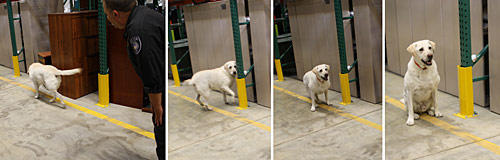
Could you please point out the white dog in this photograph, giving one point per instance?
(421, 81)
(219, 79)
(317, 82)
(49, 77)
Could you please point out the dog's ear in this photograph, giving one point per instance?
(315, 71)
(411, 48)
(327, 67)
(432, 44)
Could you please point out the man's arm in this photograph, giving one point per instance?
(155, 99)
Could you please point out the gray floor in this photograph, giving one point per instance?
(198, 134)
(427, 141)
(304, 135)
(35, 129)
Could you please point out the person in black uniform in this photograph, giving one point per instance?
(145, 36)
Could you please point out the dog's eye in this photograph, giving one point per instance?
(320, 70)
(430, 48)
(421, 49)
(326, 69)
(230, 67)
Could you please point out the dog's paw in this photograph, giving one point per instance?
(416, 116)
(36, 97)
(410, 122)
(329, 103)
(430, 113)
(208, 108)
(438, 114)
(313, 108)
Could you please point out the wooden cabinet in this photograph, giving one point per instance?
(125, 86)
(74, 44)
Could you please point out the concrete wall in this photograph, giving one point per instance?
(412, 20)
(35, 28)
(314, 38)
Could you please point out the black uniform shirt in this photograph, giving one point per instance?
(145, 36)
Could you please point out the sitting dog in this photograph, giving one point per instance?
(49, 77)
(219, 79)
(421, 81)
(317, 82)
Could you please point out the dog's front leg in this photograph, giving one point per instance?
(313, 101)
(409, 108)
(224, 96)
(326, 98)
(434, 110)
(230, 92)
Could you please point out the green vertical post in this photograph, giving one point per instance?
(465, 42)
(77, 5)
(179, 20)
(171, 48)
(236, 37)
(103, 58)
(103, 76)
(340, 36)
(240, 81)
(276, 47)
(11, 27)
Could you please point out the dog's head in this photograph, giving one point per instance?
(230, 67)
(321, 71)
(422, 51)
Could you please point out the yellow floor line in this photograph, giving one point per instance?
(331, 109)
(91, 112)
(226, 113)
(450, 128)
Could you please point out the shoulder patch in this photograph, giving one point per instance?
(135, 44)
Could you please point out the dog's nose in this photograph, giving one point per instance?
(326, 75)
(429, 56)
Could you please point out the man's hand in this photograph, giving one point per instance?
(155, 99)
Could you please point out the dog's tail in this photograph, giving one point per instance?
(69, 72)
(188, 82)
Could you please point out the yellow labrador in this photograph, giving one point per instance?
(49, 77)
(421, 81)
(317, 82)
(219, 79)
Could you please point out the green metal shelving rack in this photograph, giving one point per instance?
(15, 52)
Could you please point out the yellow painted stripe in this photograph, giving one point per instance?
(451, 128)
(91, 112)
(331, 109)
(226, 113)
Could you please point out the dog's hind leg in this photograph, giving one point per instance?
(54, 96)
(198, 99)
(205, 94)
(37, 88)
(61, 99)
(433, 111)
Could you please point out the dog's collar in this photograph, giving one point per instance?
(320, 79)
(419, 65)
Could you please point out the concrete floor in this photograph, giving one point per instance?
(35, 129)
(198, 134)
(304, 135)
(426, 140)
